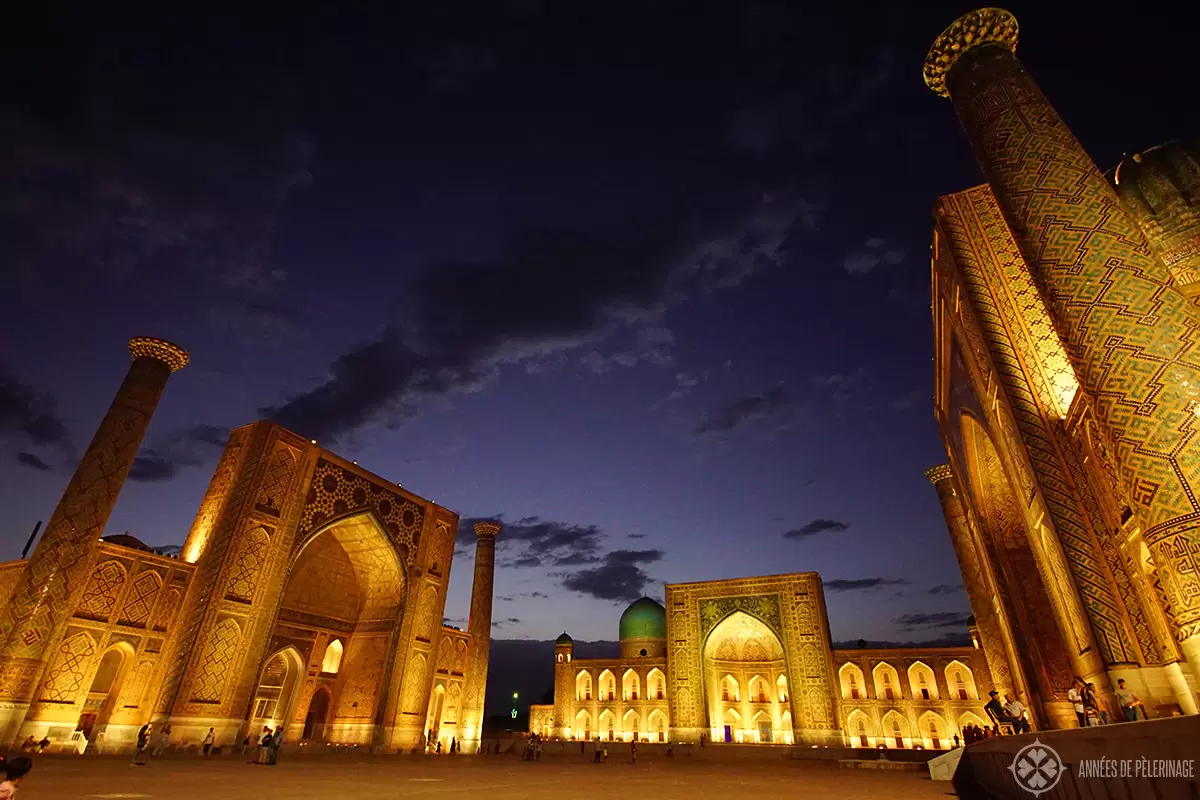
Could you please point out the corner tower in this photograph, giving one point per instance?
(479, 628)
(564, 685)
(1128, 330)
(55, 573)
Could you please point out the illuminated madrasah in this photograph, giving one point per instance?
(1067, 391)
(309, 594)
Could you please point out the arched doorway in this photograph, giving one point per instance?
(739, 651)
(344, 593)
(318, 712)
(433, 722)
(105, 690)
(277, 689)
(1023, 596)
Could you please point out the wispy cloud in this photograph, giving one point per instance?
(619, 578)
(190, 447)
(33, 462)
(938, 619)
(862, 584)
(947, 588)
(871, 254)
(816, 528)
(771, 405)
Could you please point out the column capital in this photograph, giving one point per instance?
(487, 528)
(971, 30)
(939, 473)
(174, 356)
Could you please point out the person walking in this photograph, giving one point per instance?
(159, 741)
(143, 739)
(596, 750)
(209, 738)
(633, 751)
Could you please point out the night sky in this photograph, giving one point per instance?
(648, 281)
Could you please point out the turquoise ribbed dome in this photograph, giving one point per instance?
(564, 639)
(644, 619)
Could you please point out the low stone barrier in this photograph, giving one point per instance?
(1132, 760)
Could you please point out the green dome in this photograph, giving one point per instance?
(644, 619)
(564, 639)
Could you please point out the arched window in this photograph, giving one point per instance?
(923, 685)
(897, 735)
(853, 687)
(333, 657)
(560, 657)
(934, 736)
(960, 685)
(887, 688)
(658, 688)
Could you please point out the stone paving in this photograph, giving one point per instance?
(502, 778)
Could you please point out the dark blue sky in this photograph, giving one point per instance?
(654, 273)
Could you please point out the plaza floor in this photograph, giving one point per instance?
(501, 778)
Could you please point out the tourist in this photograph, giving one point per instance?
(264, 745)
(143, 739)
(209, 738)
(245, 743)
(276, 743)
(596, 750)
(1128, 700)
(1016, 712)
(604, 754)
(994, 709)
(1091, 709)
(633, 751)
(14, 771)
(158, 742)
(453, 745)
(29, 744)
(438, 749)
(956, 741)
(1075, 695)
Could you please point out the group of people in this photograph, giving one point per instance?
(1012, 712)
(13, 772)
(533, 748)
(156, 741)
(268, 745)
(975, 733)
(1090, 713)
(432, 746)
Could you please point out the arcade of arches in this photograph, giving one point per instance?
(758, 654)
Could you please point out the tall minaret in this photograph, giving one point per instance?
(479, 628)
(985, 601)
(1128, 330)
(57, 569)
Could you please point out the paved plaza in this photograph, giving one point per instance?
(503, 778)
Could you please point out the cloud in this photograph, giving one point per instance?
(817, 527)
(538, 595)
(840, 386)
(861, 584)
(949, 639)
(938, 619)
(506, 598)
(911, 399)
(561, 291)
(619, 578)
(870, 255)
(31, 416)
(535, 542)
(771, 404)
(500, 623)
(33, 462)
(947, 588)
(635, 536)
(190, 447)
(101, 190)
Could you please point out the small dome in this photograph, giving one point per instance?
(644, 619)
(564, 639)
(1160, 188)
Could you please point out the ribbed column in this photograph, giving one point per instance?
(479, 627)
(1127, 329)
(42, 601)
(982, 597)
